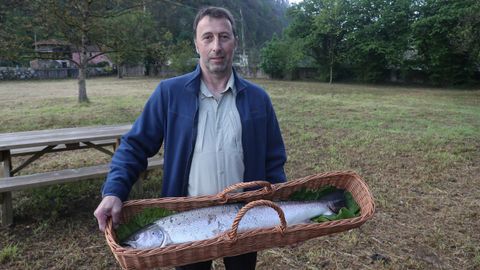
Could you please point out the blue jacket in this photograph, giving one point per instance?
(171, 116)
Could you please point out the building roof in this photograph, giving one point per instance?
(51, 42)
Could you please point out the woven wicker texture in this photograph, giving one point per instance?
(232, 243)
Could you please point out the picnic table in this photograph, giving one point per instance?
(36, 144)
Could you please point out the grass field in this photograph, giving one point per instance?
(417, 149)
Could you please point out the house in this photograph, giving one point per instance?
(52, 54)
(91, 51)
(55, 53)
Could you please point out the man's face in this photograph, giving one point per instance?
(216, 44)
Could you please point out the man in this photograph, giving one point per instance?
(217, 129)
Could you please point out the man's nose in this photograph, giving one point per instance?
(217, 45)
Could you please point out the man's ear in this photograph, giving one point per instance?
(195, 43)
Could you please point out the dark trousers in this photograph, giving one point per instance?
(241, 262)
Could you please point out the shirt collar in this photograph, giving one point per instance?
(204, 92)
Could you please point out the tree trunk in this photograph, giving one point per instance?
(332, 61)
(82, 85)
(120, 72)
(331, 73)
(82, 68)
(331, 53)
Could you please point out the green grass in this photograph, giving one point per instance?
(8, 253)
(417, 149)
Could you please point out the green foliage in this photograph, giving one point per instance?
(183, 57)
(328, 33)
(259, 21)
(134, 31)
(311, 195)
(157, 53)
(378, 38)
(447, 37)
(365, 40)
(140, 220)
(281, 58)
(17, 31)
(368, 40)
(351, 210)
(8, 253)
(320, 24)
(273, 56)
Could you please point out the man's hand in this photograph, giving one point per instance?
(110, 206)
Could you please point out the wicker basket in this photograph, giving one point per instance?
(233, 243)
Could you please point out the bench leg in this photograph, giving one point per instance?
(6, 208)
(6, 164)
(6, 212)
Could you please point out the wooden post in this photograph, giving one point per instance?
(6, 197)
(117, 144)
(7, 213)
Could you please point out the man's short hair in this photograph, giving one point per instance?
(217, 13)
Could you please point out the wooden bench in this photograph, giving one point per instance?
(16, 183)
(68, 147)
(37, 143)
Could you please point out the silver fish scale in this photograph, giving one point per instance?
(199, 224)
(295, 213)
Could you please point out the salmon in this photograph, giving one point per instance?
(209, 222)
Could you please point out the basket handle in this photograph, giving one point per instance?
(232, 234)
(267, 188)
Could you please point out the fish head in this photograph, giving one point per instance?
(336, 200)
(150, 236)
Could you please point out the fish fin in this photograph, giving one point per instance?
(166, 239)
(129, 244)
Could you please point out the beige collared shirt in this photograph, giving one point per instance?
(218, 156)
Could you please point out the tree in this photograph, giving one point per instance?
(129, 38)
(280, 58)
(273, 58)
(183, 57)
(330, 30)
(368, 40)
(157, 53)
(378, 37)
(466, 35)
(321, 25)
(83, 24)
(446, 37)
(18, 25)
